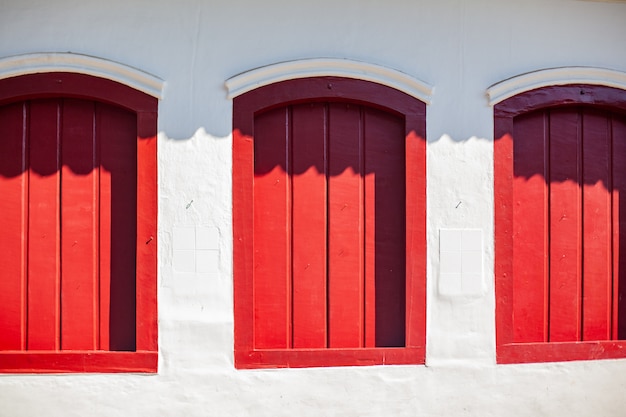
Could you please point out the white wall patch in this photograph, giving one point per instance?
(461, 262)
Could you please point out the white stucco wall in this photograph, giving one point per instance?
(460, 48)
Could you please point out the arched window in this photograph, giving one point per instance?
(78, 241)
(560, 213)
(329, 224)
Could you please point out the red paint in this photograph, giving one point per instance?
(565, 220)
(346, 320)
(385, 198)
(43, 227)
(309, 237)
(618, 127)
(118, 195)
(531, 221)
(146, 320)
(597, 226)
(327, 271)
(272, 245)
(307, 358)
(13, 285)
(415, 226)
(79, 233)
(88, 190)
(558, 161)
(78, 361)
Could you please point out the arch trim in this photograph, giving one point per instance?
(17, 65)
(555, 76)
(319, 67)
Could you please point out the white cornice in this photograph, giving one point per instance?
(319, 67)
(83, 64)
(555, 76)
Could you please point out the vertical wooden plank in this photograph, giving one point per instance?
(105, 133)
(565, 225)
(618, 133)
(272, 231)
(530, 228)
(43, 240)
(116, 136)
(370, 196)
(385, 207)
(79, 235)
(13, 222)
(345, 219)
(309, 225)
(597, 268)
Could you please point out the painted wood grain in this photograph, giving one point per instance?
(597, 225)
(272, 227)
(385, 213)
(79, 227)
(531, 228)
(309, 224)
(44, 245)
(346, 228)
(13, 239)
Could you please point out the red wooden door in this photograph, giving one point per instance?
(329, 227)
(68, 201)
(569, 206)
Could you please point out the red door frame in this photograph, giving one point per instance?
(602, 97)
(145, 358)
(330, 89)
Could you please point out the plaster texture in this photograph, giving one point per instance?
(460, 48)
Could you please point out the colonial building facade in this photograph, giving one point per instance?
(329, 208)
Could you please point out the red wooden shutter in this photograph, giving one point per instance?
(568, 190)
(329, 224)
(68, 186)
(329, 228)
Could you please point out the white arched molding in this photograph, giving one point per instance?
(83, 64)
(320, 67)
(555, 76)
